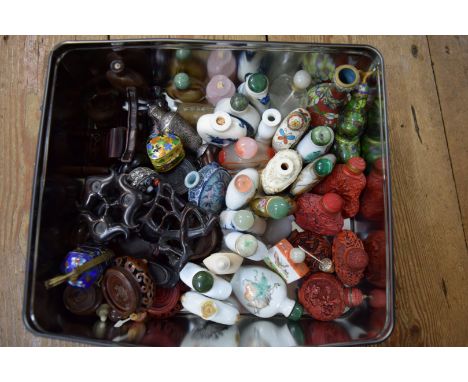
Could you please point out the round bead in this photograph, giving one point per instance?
(246, 147)
(257, 82)
(246, 245)
(243, 220)
(243, 183)
(183, 54)
(297, 255)
(302, 79)
(323, 167)
(202, 281)
(332, 202)
(326, 265)
(321, 135)
(182, 81)
(278, 208)
(239, 102)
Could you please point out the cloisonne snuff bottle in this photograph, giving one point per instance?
(165, 151)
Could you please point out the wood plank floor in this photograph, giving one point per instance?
(427, 89)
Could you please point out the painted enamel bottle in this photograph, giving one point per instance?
(205, 282)
(327, 99)
(281, 171)
(255, 88)
(218, 88)
(345, 149)
(242, 188)
(349, 257)
(353, 117)
(271, 119)
(238, 106)
(222, 62)
(315, 143)
(186, 89)
(210, 309)
(220, 128)
(348, 181)
(186, 61)
(281, 258)
(208, 186)
(165, 152)
(242, 221)
(249, 63)
(223, 263)
(292, 128)
(320, 214)
(312, 174)
(263, 293)
(246, 245)
(288, 93)
(245, 153)
(372, 199)
(274, 207)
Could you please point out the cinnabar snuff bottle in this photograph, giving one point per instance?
(349, 257)
(375, 248)
(320, 214)
(372, 200)
(315, 244)
(348, 181)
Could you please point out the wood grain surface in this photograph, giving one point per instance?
(427, 91)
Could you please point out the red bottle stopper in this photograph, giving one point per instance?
(372, 199)
(348, 181)
(166, 302)
(315, 244)
(319, 215)
(378, 298)
(349, 257)
(353, 297)
(322, 296)
(376, 249)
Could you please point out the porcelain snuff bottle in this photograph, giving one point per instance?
(312, 174)
(292, 128)
(271, 119)
(204, 282)
(255, 88)
(220, 129)
(274, 207)
(281, 171)
(210, 309)
(283, 260)
(242, 188)
(249, 63)
(242, 221)
(223, 263)
(315, 143)
(246, 245)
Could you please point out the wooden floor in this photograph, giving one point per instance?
(427, 85)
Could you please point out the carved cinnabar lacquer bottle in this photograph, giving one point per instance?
(372, 200)
(375, 248)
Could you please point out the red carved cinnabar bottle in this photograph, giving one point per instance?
(375, 248)
(372, 200)
(348, 181)
(349, 257)
(320, 214)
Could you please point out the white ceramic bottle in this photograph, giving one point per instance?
(210, 309)
(220, 129)
(271, 119)
(249, 63)
(281, 171)
(293, 127)
(238, 105)
(223, 263)
(203, 281)
(243, 221)
(246, 245)
(315, 143)
(263, 293)
(255, 88)
(242, 188)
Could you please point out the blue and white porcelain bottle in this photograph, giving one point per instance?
(208, 187)
(249, 62)
(220, 129)
(255, 88)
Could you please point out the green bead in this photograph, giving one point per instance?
(202, 281)
(278, 208)
(323, 167)
(257, 82)
(243, 220)
(296, 312)
(246, 245)
(182, 81)
(183, 54)
(239, 102)
(321, 135)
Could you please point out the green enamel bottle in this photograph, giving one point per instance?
(352, 120)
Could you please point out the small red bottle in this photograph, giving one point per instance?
(348, 181)
(376, 250)
(349, 257)
(320, 214)
(372, 200)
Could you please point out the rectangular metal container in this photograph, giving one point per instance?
(53, 208)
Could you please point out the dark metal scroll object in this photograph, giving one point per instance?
(132, 126)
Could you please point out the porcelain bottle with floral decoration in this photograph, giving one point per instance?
(293, 127)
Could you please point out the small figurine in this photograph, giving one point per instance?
(285, 260)
(238, 106)
(255, 88)
(290, 92)
(245, 153)
(315, 143)
(326, 99)
(372, 199)
(165, 152)
(210, 309)
(243, 221)
(242, 188)
(320, 214)
(204, 282)
(316, 245)
(292, 128)
(218, 88)
(222, 62)
(375, 246)
(220, 128)
(263, 293)
(223, 263)
(281, 171)
(143, 179)
(249, 63)
(349, 257)
(246, 245)
(207, 187)
(345, 149)
(271, 119)
(275, 207)
(183, 88)
(313, 173)
(353, 117)
(348, 181)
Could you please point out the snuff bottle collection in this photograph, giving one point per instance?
(242, 197)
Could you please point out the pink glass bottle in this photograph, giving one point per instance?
(245, 153)
(222, 62)
(320, 214)
(218, 88)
